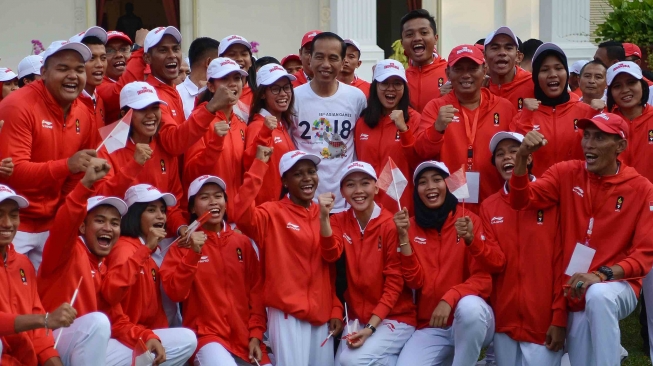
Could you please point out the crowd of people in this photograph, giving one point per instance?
(239, 219)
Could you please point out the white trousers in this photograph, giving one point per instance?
(31, 244)
(514, 353)
(593, 335)
(214, 354)
(647, 286)
(458, 345)
(381, 349)
(297, 343)
(170, 307)
(84, 343)
(179, 343)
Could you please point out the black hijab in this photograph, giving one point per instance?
(428, 218)
(539, 93)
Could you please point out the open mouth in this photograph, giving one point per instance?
(502, 63)
(119, 65)
(325, 73)
(149, 124)
(359, 199)
(508, 167)
(104, 241)
(419, 49)
(591, 158)
(553, 85)
(159, 225)
(390, 97)
(283, 102)
(6, 234)
(466, 84)
(627, 98)
(70, 87)
(433, 197)
(307, 189)
(98, 74)
(215, 212)
(171, 66)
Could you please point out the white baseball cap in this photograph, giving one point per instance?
(359, 166)
(289, 159)
(227, 41)
(351, 42)
(500, 136)
(154, 36)
(577, 66)
(138, 95)
(116, 202)
(270, 73)
(221, 67)
(386, 68)
(501, 30)
(430, 164)
(624, 66)
(199, 182)
(58, 46)
(7, 193)
(30, 65)
(147, 193)
(6, 74)
(94, 31)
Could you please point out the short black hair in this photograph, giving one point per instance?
(519, 43)
(30, 77)
(200, 48)
(593, 62)
(92, 40)
(615, 50)
(130, 225)
(418, 14)
(529, 47)
(191, 206)
(481, 41)
(373, 113)
(330, 35)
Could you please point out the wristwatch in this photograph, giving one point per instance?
(607, 271)
(135, 47)
(370, 326)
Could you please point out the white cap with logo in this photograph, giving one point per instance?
(503, 135)
(199, 182)
(228, 41)
(6, 74)
(138, 95)
(431, 164)
(116, 202)
(94, 31)
(7, 193)
(359, 167)
(155, 35)
(30, 65)
(58, 46)
(270, 73)
(147, 193)
(387, 68)
(628, 67)
(351, 42)
(289, 159)
(221, 67)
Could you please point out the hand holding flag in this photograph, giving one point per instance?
(115, 135)
(392, 181)
(457, 184)
(72, 303)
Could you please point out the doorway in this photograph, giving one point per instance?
(152, 14)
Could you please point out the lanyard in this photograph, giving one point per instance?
(471, 133)
(590, 226)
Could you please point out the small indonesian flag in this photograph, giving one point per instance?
(196, 225)
(392, 181)
(141, 356)
(650, 205)
(457, 184)
(115, 135)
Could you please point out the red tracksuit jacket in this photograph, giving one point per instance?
(219, 290)
(528, 274)
(363, 85)
(639, 153)
(558, 125)
(40, 142)
(109, 90)
(376, 145)
(96, 114)
(424, 82)
(623, 200)
(66, 258)
(442, 267)
(520, 88)
(374, 282)
(258, 134)
(288, 236)
(161, 171)
(20, 297)
(133, 281)
(495, 114)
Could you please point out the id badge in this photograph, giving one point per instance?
(581, 260)
(473, 181)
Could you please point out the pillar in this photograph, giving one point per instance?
(567, 24)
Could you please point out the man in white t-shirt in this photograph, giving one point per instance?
(326, 114)
(200, 54)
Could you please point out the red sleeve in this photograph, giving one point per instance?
(488, 252)
(639, 257)
(176, 139)
(257, 134)
(257, 323)
(16, 142)
(251, 220)
(43, 344)
(178, 272)
(7, 323)
(123, 267)
(541, 194)
(59, 246)
(110, 92)
(200, 158)
(428, 141)
(332, 247)
(337, 310)
(393, 283)
(412, 271)
(559, 307)
(121, 176)
(126, 332)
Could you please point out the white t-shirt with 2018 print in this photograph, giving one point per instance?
(325, 127)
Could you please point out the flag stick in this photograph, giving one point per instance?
(347, 317)
(255, 360)
(99, 147)
(397, 193)
(72, 303)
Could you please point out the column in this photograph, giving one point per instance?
(187, 26)
(567, 24)
(357, 20)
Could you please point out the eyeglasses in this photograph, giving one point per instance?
(124, 50)
(276, 89)
(396, 85)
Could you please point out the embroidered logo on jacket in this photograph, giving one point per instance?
(520, 103)
(347, 238)
(440, 82)
(578, 191)
(153, 274)
(277, 140)
(204, 259)
(496, 119)
(575, 124)
(380, 244)
(536, 127)
(292, 226)
(540, 217)
(46, 124)
(242, 134)
(23, 277)
(496, 220)
(364, 137)
(239, 254)
(163, 166)
(650, 136)
(620, 203)
(77, 129)
(397, 136)
(419, 240)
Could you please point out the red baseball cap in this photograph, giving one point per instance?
(308, 37)
(466, 51)
(608, 123)
(111, 35)
(632, 50)
(290, 58)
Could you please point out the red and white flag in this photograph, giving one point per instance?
(115, 135)
(141, 356)
(457, 184)
(392, 181)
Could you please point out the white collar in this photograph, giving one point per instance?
(190, 87)
(86, 94)
(375, 213)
